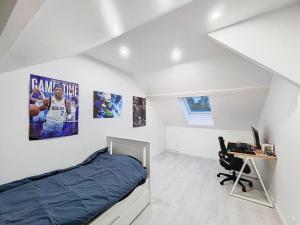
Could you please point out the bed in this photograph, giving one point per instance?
(110, 187)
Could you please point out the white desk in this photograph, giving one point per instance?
(250, 158)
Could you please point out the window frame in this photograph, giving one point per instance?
(205, 119)
(189, 109)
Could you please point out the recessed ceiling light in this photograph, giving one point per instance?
(215, 15)
(124, 51)
(176, 54)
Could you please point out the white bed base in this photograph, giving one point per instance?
(125, 211)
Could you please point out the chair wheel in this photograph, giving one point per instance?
(251, 184)
(218, 175)
(221, 183)
(244, 189)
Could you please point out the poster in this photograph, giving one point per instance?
(139, 111)
(107, 105)
(53, 108)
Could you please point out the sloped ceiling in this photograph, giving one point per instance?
(236, 87)
(272, 41)
(186, 28)
(236, 111)
(151, 29)
(205, 66)
(15, 15)
(6, 9)
(64, 28)
(224, 70)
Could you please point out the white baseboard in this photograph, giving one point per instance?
(171, 150)
(188, 154)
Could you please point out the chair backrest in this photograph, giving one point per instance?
(226, 159)
(222, 146)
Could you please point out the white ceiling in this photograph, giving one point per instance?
(225, 70)
(185, 28)
(205, 65)
(64, 28)
(275, 45)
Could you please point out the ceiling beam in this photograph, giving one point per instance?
(6, 8)
(15, 16)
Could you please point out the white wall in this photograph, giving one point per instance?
(272, 40)
(200, 141)
(20, 157)
(280, 125)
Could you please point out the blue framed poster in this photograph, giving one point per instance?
(139, 111)
(53, 108)
(107, 105)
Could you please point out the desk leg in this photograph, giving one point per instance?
(263, 185)
(239, 176)
(269, 203)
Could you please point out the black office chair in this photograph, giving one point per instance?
(229, 162)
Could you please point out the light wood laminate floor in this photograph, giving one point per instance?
(186, 191)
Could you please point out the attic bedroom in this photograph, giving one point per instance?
(161, 112)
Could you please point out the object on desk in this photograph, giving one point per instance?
(268, 149)
(229, 162)
(256, 138)
(240, 147)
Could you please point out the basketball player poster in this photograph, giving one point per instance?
(107, 105)
(139, 111)
(53, 108)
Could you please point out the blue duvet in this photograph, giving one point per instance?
(71, 196)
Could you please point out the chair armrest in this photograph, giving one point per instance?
(224, 160)
(222, 157)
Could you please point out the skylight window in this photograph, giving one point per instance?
(198, 104)
(198, 110)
